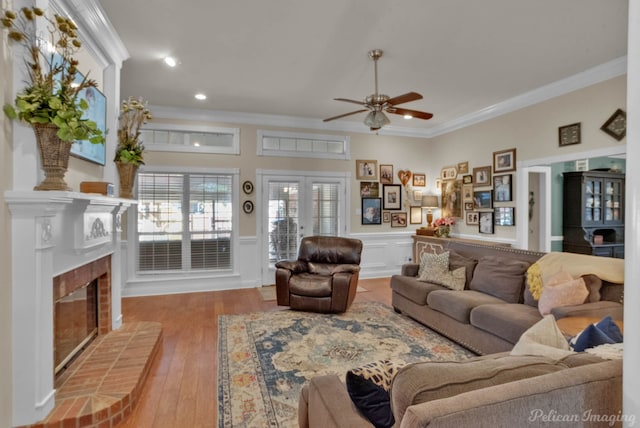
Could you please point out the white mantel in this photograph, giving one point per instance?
(53, 232)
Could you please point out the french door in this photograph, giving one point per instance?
(294, 206)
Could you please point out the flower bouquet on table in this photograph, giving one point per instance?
(443, 226)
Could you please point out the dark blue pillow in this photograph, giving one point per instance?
(369, 386)
(605, 331)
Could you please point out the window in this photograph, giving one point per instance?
(294, 144)
(192, 138)
(184, 222)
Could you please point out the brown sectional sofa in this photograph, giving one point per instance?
(496, 307)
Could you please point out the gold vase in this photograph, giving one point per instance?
(127, 173)
(54, 157)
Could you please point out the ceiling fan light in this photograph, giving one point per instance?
(170, 61)
(408, 116)
(376, 120)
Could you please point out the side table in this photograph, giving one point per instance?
(570, 326)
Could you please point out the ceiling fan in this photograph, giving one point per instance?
(377, 104)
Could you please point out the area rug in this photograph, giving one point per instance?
(265, 358)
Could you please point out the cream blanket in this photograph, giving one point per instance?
(606, 268)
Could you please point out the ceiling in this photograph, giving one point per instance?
(290, 58)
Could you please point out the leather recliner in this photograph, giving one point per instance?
(324, 278)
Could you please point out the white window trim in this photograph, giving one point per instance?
(344, 139)
(170, 276)
(168, 127)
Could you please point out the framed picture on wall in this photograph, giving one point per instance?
(386, 216)
(371, 210)
(502, 188)
(398, 219)
(386, 174)
(504, 216)
(482, 199)
(485, 219)
(392, 196)
(366, 170)
(369, 189)
(482, 176)
(415, 215)
(504, 160)
(472, 217)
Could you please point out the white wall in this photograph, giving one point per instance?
(631, 370)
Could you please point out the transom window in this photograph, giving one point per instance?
(295, 144)
(184, 222)
(191, 138)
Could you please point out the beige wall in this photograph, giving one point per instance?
(533, 131)
(6, 170)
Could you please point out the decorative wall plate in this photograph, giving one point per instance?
(247, 207)
(247, 187)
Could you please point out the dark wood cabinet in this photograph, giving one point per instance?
(593, 213)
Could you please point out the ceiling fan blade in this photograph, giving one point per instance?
(347, 100)
(404, 98)
(413, 113)
(344, 115)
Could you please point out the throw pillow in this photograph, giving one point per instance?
(369, 386)
(606, 331)
(434, 261)
(458, 260)
(500, 277)
(544, 338)
(573, 292)
(454, 280)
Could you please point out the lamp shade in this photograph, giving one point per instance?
(430, 201)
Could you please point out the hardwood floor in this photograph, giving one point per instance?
(181, 390)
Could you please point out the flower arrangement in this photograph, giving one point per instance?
(443, 225)
(133, 114)
(51, 95)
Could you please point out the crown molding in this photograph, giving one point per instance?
(96, 31)
(600, 73)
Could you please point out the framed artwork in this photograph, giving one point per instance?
(247, 187)
(452, 198)
(419, 180)
(616, 125)
(468, 206)
(482, 199)
(463, 167)
(386, 174)
(569, 134)
(438, 184)
(247, 207)
(97, 112)
(485, 220)
(472, 218)
(366, 170)
(482, 176)
(371, 210)
(415, 215)
(448, 173)
(386, 216)
(504, 216)
(369, 189)
(417, 195)
(392, 196)
(467, 179)
(504, 160)
(398, 219)
(467, 193)
(502, 188)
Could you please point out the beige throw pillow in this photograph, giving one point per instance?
(453, 279)
(433, 262)
(544, 338)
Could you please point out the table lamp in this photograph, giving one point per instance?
(429, 202)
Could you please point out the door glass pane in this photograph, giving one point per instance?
(283, 221)
(325, 209)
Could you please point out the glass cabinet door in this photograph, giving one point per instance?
(612, 200)
(593, 201)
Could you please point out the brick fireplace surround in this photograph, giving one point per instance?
(60, 241)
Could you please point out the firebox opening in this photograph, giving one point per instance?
(75, 323)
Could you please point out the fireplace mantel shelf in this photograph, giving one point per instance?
(26, 197)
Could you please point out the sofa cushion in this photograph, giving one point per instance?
(572, 292)
(507, 321)
(454, 280)
(457, 261)
(500, 277)
(458, 304)
(428, 381)
(433, 261)
(412, 289)
(544, 338)
(369, 386)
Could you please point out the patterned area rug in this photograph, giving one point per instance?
(265, 358)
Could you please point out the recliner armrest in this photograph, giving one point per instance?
(295, 266)
(332, 269)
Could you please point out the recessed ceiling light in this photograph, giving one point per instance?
(196, 144)
(201, 97)
(170, 61)
(408, 116)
